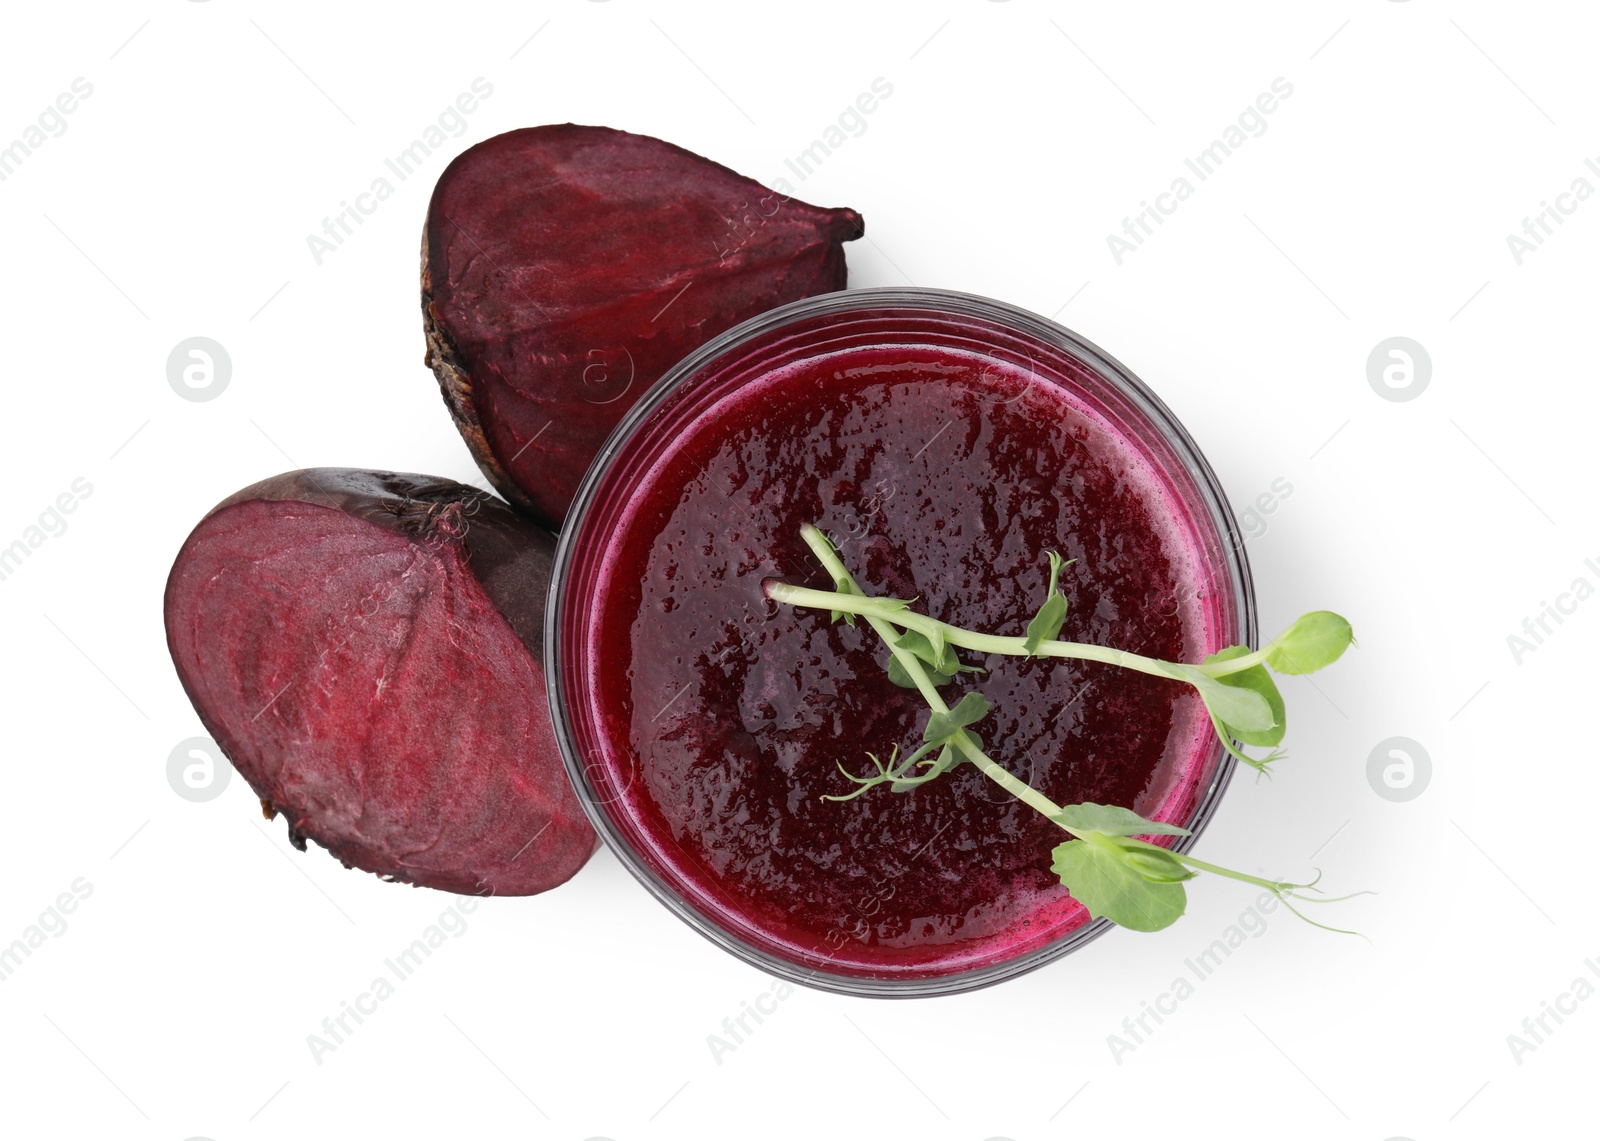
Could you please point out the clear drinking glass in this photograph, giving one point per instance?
(864, 317)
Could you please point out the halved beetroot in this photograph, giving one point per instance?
(365, 648)
(566, 268)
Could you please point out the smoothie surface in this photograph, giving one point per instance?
(944, 476)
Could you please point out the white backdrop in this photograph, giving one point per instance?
(207, 141)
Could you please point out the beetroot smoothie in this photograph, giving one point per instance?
(713, 721)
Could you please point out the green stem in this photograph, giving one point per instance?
(829, 558)
(1244, 877)
(1239, 664)
(1020, 789)
(875, 610)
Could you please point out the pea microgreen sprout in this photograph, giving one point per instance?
(1235, 683)
(1105, 865)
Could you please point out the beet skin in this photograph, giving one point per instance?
(366, 649)
(565, 269)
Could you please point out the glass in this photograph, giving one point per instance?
(850, 319)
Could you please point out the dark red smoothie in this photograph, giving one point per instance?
(943, 472)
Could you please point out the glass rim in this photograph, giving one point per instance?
(957, 303)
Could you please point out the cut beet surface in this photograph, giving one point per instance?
(565, 269)
(365, 647)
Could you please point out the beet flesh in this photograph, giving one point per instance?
(565, 269)
(366, 649)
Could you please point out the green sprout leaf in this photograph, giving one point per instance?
(935, 651)
(1314, 640)
(1046, 625)
(1254, 680)
(1112, 821)
(1157, 865)
(972, 708)
(898, 675)
(1239, 707)
(1100, 878)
